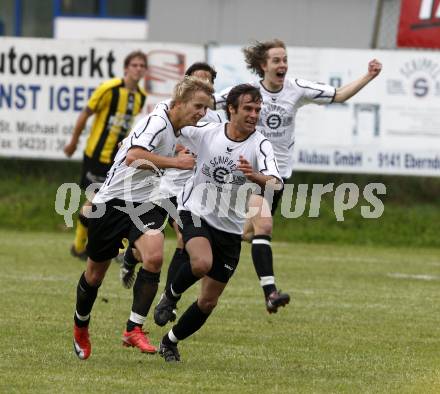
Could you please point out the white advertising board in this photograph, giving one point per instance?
(392, 126)
(45, 83)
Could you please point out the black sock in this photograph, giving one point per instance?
(183, 280)
(190, 322)
(144, 291)
(129, 259)
(167, 341)
(85, 298)
(263, 262)
(180, 257)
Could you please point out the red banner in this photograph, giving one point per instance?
(419, 25)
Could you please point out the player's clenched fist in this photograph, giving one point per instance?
(185, 160)
(374, 67)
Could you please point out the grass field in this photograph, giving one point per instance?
(411, 216)
(363, 319)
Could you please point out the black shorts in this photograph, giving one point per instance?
(226, 247)
(93, 172)
(173, 201)
(106, 232)
(277, 194)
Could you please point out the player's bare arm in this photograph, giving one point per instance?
(184, 160)
(80, 125)
(257, 177)
(345, 92)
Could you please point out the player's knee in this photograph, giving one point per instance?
(200, 265)
(263, 226)
(207, 305)
(94, 277)
(153, 262)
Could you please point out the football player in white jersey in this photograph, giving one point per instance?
(172, 182)
(282, 97)
(232, 159)
(128, 205)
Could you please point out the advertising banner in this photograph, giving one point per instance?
(45, 83)
(419, 25)
(392, 126)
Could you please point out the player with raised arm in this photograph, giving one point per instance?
(232, 159)
(130, 205)
(282, 97)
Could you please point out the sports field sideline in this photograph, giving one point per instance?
(363, 319)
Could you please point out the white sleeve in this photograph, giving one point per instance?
(217, 116)
(148, 133)
(266, 162)
(162, 105)
(315, 92)
(220, 99)
(192, 137)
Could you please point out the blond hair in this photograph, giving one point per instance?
(188, 86)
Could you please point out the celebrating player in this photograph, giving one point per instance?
(282, 97)
(212, 208)
(132, 184)
(171, 184)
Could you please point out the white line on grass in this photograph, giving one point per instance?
(398, 275)
(37, 278)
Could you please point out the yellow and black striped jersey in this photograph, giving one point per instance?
(115, 108)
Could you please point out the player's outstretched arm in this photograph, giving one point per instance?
(345, 92)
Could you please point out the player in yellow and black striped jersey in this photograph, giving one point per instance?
(115, 103)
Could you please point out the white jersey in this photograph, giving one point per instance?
(277, 116)
(218, 192)
(154, 133)
(174, 179)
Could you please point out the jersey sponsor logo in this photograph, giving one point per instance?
(273, 121)
(272, 117)
(223, 170)
(228, 267)
(271, 135)
(219, 174)
(120, 120)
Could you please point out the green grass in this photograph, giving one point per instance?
(363, 319)
(28, 189)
